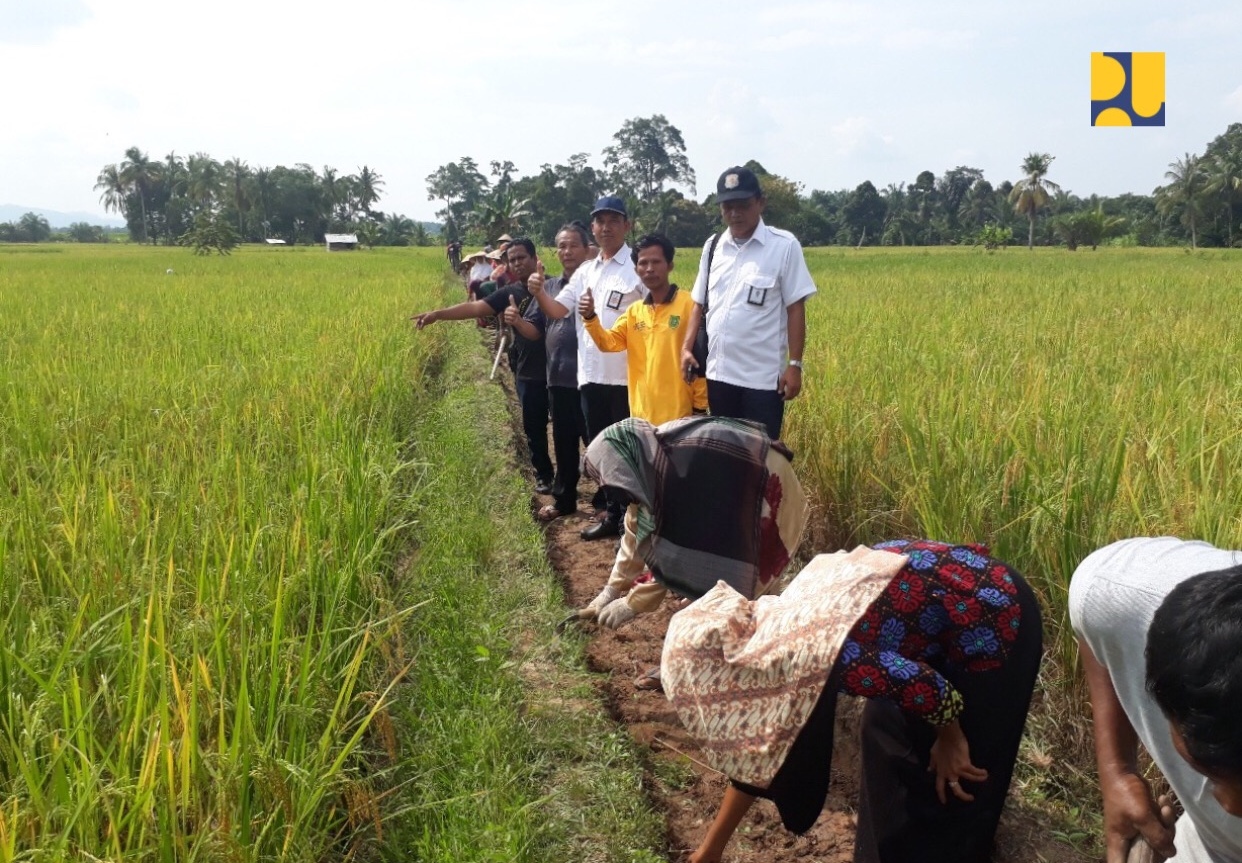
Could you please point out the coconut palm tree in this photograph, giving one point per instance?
(1185, 192)
(236, 174)
(1225, 179)
(367, 188)
(206, 181)
(139, 173)
(1032, 193)
(111, 188)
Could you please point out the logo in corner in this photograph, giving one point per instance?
(1127, 88)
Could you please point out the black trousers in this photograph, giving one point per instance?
(900, 818)
(533, 397)
(744, 403)
(568, 428)
(603, 405)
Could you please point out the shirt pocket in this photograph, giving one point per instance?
(759, 291)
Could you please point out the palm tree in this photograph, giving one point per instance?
(1225, 179)
(139, 173)
(206, 182)
(237, 173)
(111, 189)
(1032, 192)
(501, 213)
(1185, 192)
(367, 188)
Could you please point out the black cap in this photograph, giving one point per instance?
(610, 204)
(737, 183)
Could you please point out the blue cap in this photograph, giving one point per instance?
(610, 204)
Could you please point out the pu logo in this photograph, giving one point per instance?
(1127, 88)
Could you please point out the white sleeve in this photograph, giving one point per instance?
(568, 296)
(796, 281)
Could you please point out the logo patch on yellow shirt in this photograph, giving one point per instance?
(640, 325)
(673, 321)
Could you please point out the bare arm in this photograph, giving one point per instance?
(1129, 809)
(553, 310)
(733, 808)
(791, 379)
(688, 362)
(461, 312)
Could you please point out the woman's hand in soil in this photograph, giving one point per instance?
(950, 761)
(1130, 811)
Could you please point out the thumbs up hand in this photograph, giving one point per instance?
(586, 305)
(512, 315)
(535, 283)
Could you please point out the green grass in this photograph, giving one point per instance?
(247, 614)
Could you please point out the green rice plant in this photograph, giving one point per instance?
(1045, 404)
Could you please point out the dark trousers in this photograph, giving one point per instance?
(568, 428)
(533, 397)
(899, 816)
(744, 403)
(603, 405)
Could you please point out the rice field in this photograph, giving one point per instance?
(255, 606)
(252, 603)
(1043, 403)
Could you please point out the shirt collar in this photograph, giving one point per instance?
(650, 301)
(622, 255)
(760, 235)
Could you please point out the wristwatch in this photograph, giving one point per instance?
(797, 364)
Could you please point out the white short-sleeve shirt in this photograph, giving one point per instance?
(752, 285)
(615, 285)
(1113, 597)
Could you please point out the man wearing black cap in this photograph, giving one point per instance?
(614, 284)
(755, 294)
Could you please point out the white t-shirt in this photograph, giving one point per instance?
(481, 272)
(1112, 598)
(752, 285)
(614, 284)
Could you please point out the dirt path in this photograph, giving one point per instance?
(686, 789)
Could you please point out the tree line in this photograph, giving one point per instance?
(33, 228)
(647, 164)
(175, 199)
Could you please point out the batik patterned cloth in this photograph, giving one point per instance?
(744, 675)
(951, 605)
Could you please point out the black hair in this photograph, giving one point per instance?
(578, 229)
(1194, 667)
(525, 243)
(650, 240)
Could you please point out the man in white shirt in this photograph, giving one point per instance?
(614, 285)
(1159, 625)
(755, 296)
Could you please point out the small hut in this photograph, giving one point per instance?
(340, 242)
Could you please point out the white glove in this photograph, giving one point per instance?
(607, 595)
(616, 614)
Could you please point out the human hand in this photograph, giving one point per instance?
(1131, 813)
(512, 315)
(616, 614)
(424, 319)
(689, 365)
(586, 305)
(534, 284)
(607, 595)
(950, 761)
(790, 383)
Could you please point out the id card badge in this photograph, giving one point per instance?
(756, 296)
(614, 300)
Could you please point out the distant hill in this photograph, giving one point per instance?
(57, 219)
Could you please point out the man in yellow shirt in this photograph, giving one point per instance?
(651, 332)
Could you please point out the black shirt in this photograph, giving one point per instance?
(527, 358)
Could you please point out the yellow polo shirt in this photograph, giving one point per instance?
(652, 335)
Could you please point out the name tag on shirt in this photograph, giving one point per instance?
(614, 300)
(756, 296)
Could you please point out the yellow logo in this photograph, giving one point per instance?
(1127, 88)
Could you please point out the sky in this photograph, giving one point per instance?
(826, 93)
